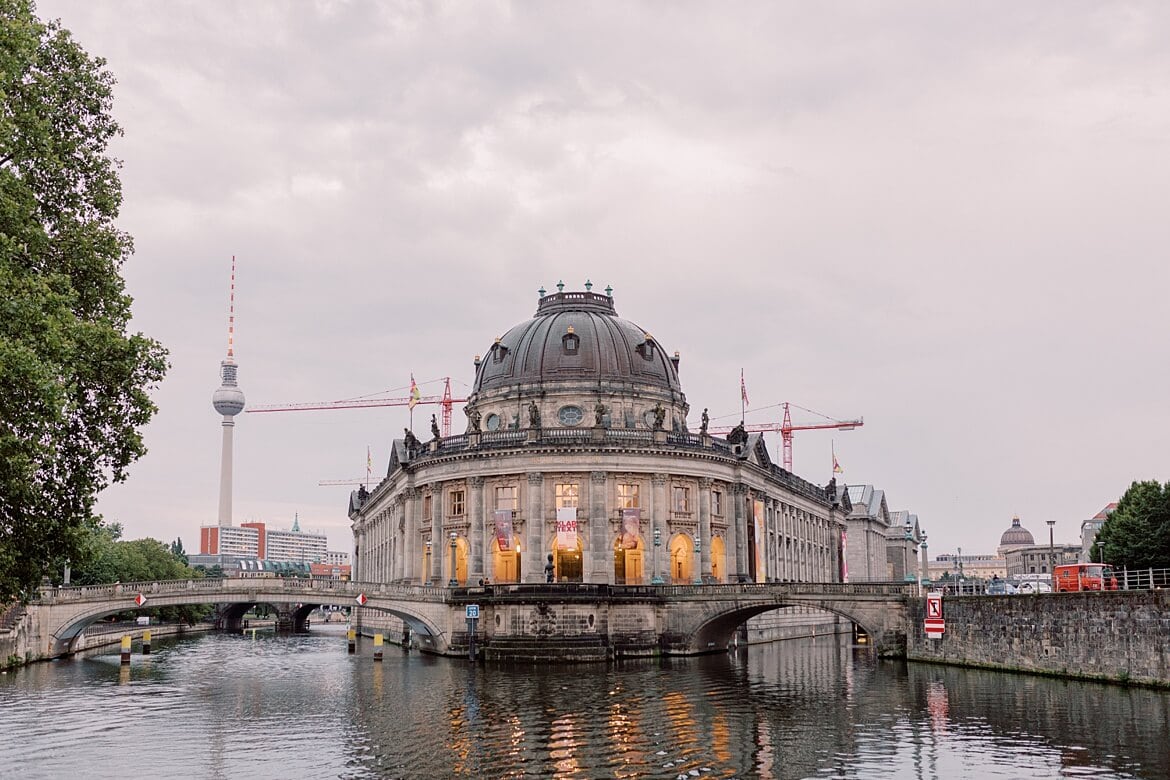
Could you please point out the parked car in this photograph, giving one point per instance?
(1034, 586)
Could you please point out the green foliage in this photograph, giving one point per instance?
(75, 383)
(1137, 534)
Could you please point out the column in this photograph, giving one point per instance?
(535, 553)
(705, 528)
(411, 552)
(739, 497)
(399, 570)
(475, 530)
(601, 566)
(658, 506)
(438, 543)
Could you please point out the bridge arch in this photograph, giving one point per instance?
(715, 631)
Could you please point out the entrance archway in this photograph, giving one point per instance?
(628, 561)
(506, 563)
(462, 549)
(717, 559)
(682, 556)
(567, 563)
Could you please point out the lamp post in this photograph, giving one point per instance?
(698, 560)
(908, 537)
(426, 578)
(924, 578)
(959, 567)
(657, 578)
(453, 582)
(1052, 554)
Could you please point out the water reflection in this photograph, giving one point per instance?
(228, 707)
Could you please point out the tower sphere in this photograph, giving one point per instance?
(228, 401)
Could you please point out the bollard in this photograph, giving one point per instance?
(351, 636)
(146, 643)
(253, 635)
(378, 646)
(126, 649)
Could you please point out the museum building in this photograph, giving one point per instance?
(577, 465)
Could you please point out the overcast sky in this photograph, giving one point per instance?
(949, 218)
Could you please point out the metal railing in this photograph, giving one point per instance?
(1142, 579)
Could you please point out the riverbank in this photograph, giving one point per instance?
(100, 635)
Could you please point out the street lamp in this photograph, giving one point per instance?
(908, 537)
(698, 560)
(426, 578)
(925, 576)
(453, 583)
(657, 578)
(1052, 554)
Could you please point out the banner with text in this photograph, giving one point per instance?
(761, 540)
(504, 529)
(630, 521)
(567, 528)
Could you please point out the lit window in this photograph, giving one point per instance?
(627, 496)
(568, 494)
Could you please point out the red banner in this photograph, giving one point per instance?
(504, 529)
(567, 528)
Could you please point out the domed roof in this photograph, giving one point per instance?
(1016, 536)
(576, 336)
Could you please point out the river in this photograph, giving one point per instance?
(219, 706)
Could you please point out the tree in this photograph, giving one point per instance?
(178, 551)
(75, 383)
(1137, 534)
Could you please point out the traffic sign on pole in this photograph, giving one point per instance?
(473, 611)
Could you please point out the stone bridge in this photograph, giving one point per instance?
(532, 622)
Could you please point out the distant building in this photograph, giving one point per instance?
(1040, 558)
(223, 545)
(979, 566)
(902, 540)
(1090, 528)
(325, 571)
(336, 558)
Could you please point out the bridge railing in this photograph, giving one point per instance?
(215, 588)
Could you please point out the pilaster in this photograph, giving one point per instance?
(600, 569)
(532, 566)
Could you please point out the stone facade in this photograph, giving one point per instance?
(1121, 636)
(578, 449)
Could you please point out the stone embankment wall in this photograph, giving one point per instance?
(1122, 637)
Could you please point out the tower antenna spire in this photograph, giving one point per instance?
(232, 311)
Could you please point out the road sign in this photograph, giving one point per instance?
(360, 599)
(934, 627)
(473, 611)
(934, 607)
(140, 599)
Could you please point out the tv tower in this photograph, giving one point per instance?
(228, 400)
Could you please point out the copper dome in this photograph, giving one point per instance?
(1016, 536)
(576, 337)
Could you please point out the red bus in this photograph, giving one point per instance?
(1084, 576)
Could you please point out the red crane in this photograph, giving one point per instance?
(445, 401)
(786, 428)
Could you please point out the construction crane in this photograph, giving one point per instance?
(786, 428)
(445, 401)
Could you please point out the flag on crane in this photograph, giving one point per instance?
(837, 466)
(415, 395)
(743, 389)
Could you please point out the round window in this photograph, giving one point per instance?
(492, 422)
(570, 415)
